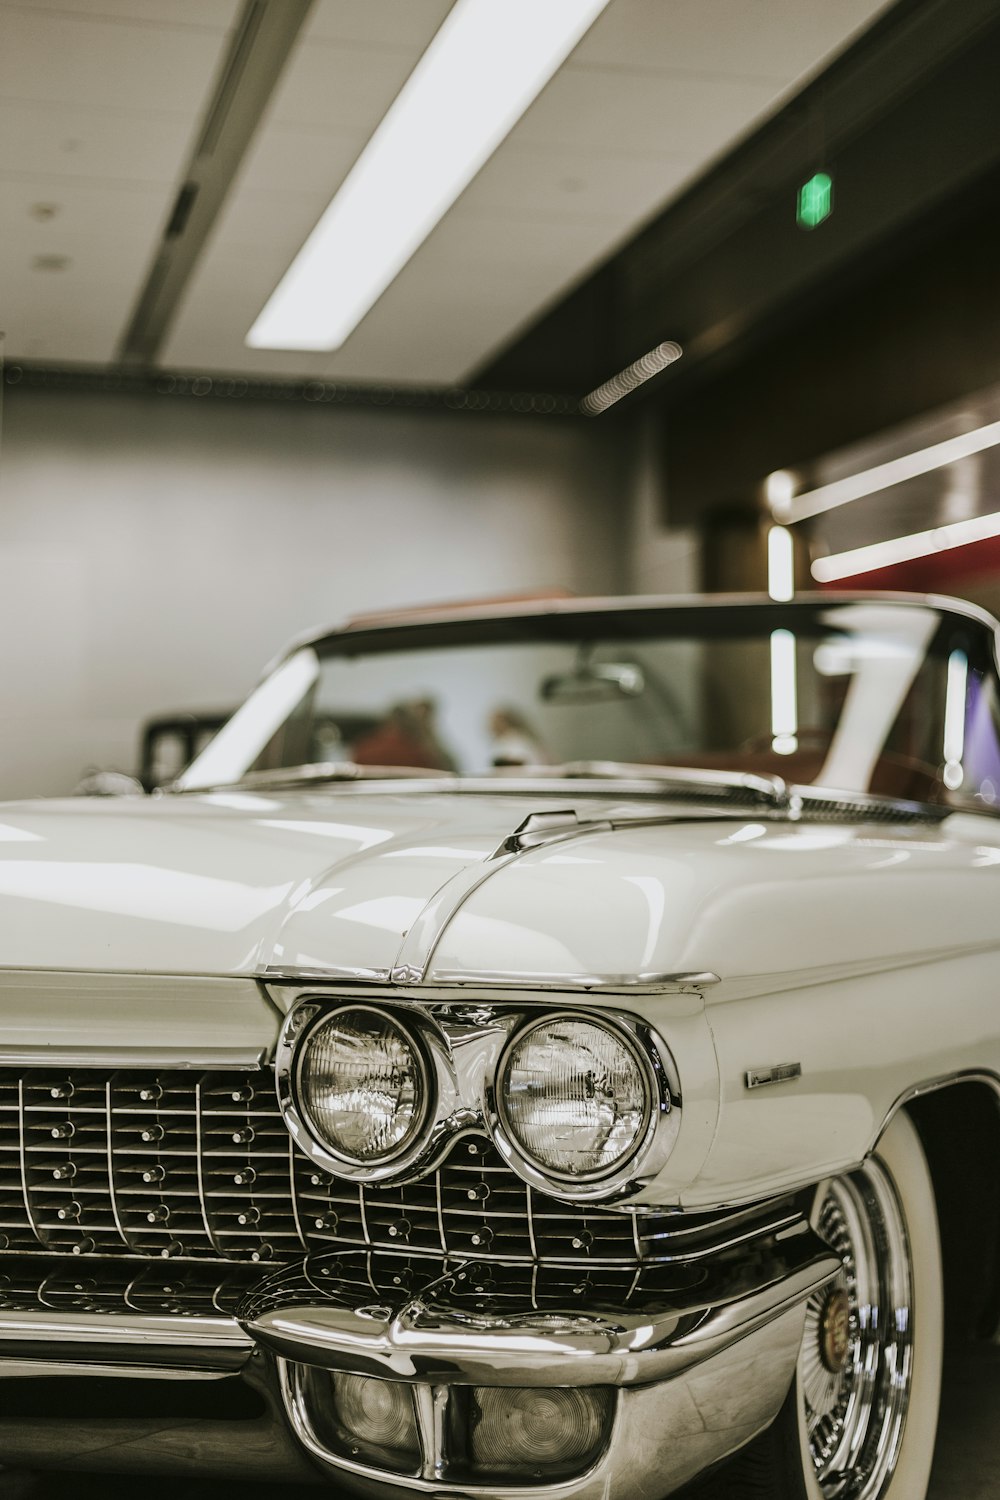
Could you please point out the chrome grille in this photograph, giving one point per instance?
(58, 1283)
(179, 1165)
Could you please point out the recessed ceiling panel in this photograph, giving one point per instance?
(197, 15)
(779, 40)
(402, 24)
(98, 107)
(678, 113)
(652, 95)
(142, 65)
(60, 303)
(75, 142)
(576, 181)
(105, 97)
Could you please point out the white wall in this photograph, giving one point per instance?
(155, 553)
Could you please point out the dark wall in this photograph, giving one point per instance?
(922, 329)
(796, 342)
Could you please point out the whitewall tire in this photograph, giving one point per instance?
(861, 1416)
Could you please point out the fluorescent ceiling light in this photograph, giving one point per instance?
(905, 548)
(780, 564)
(631, 378)
(486, 64)
(784, 704)
(779, 490)
(883, 476)
(954, 718)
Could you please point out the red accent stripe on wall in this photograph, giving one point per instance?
(938, 573)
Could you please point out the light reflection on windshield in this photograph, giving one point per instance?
(898, 699)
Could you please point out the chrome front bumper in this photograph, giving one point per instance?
(697, 1370)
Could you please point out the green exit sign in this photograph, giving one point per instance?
(815, 201)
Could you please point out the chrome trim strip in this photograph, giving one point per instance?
(24, 1369)
(22, 1140)
(363, 1210)
(219, 1059)
(431, 1403)
(633, 983)
(200, 1171)
(331, 974)
(934, 1086)
(758, 1078)
(416, 952)
(149, 1339)
(439, 1215)
(293, 1187)
(140, 1329)
(531, 1223)
(497, 979)
(109, 1136)
(417, 948)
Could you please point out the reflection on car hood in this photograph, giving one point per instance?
(247, 883)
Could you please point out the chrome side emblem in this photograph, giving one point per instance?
(758, 1078)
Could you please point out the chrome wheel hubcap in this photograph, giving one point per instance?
(855, 1366)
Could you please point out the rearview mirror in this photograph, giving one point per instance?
(595, 683)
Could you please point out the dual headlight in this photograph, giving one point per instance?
(575, 1097)
(363, 1085)
(573, 1102)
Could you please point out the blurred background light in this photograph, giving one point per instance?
(904, 548)
(631, 378)
(780, 563)
(896, 471)
(779, 491)
(784, 699)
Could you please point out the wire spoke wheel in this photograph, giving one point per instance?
(860, 1418)
(856, 1366)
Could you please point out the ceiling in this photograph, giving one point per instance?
(102, 103)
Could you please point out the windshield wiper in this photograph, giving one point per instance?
(319, 772)
(737, 789)
(747, 788)
(737, 786)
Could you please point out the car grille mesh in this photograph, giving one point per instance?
(200, 1167)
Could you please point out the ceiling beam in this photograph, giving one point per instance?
(28, 377)
(260, 46)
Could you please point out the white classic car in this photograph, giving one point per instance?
(551, 1089)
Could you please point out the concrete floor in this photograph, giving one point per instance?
(967, 1461)
(967, 1465)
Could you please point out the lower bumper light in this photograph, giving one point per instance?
(552, 1430)
(370, 1421)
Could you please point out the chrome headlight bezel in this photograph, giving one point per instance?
(645, 1160)
(293, 1044)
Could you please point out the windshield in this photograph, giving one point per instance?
(897, 699)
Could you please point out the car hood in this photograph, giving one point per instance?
(363, 880)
